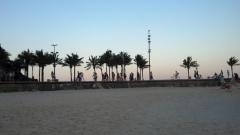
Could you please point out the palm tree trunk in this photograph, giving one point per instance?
(188, 73)
(142, 73)
(232, 70)
(109, 76)
(101, 73)
(42, 73)
(27, 71)
(106, 67)
(71, 74)
(74, 75)
(39, 74)
(137, 69)
(32, 72)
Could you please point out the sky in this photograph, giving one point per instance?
(207, 30)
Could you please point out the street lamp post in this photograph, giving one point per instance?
(54, 60)
(149, 51)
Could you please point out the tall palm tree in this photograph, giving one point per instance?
(38, 56)
(188, 63)
(126, 60)
(118, 61)
(27, 57)
(107, 57)
(4, 55)
(232, 62)
(4, 62)
(77, 61)
(142, 65)
(92, 62)
(100, 64)
(42, 59)
(33, 63)
(6, 65)
(68, 62)
(138, 58)
(72, 61)
(113, 61)
(55, 60)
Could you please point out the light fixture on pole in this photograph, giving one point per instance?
(54, 59)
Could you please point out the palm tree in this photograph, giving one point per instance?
(93, 62)
(100, 64)
(126, 60)
(68, 62)
(4, 55)
(137, 60)
(32, 63)
(142, 65)
(42, 59)
(27, 57)
(115, 61)
(5, 64)
(107, 57)
(55, 60)
(232, 62)
(72, 61)
(188, 63)
(77, 61)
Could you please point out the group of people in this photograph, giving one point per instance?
(222, 81)
(197, 75)
(119, 77)
(80, 76)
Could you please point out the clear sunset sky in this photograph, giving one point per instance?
(207, 30)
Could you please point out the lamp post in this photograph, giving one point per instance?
(54, 59)
(149, 51)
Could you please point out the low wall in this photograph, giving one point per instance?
(47, 86)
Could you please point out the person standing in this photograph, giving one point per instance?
(113, 76)
(151, 76)
(228, 73)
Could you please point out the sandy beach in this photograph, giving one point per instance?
(135, 111)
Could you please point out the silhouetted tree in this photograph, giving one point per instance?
(27, 57)
(107, 57)
(100, 64)
(4, 63)
(72, 61)
(92, 62)
(55, 60)
(125, 60)
(138, 58)
(188, 63)
(42, 59)
(232, 62)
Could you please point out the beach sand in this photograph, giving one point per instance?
(135, 111)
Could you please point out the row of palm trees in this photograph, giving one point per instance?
(108, 59)
(188, 63)
(112, 60)
(41, 59)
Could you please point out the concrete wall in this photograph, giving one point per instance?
(46, 86)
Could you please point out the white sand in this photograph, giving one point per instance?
(137, 111)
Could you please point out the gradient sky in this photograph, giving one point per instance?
(207, 30)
